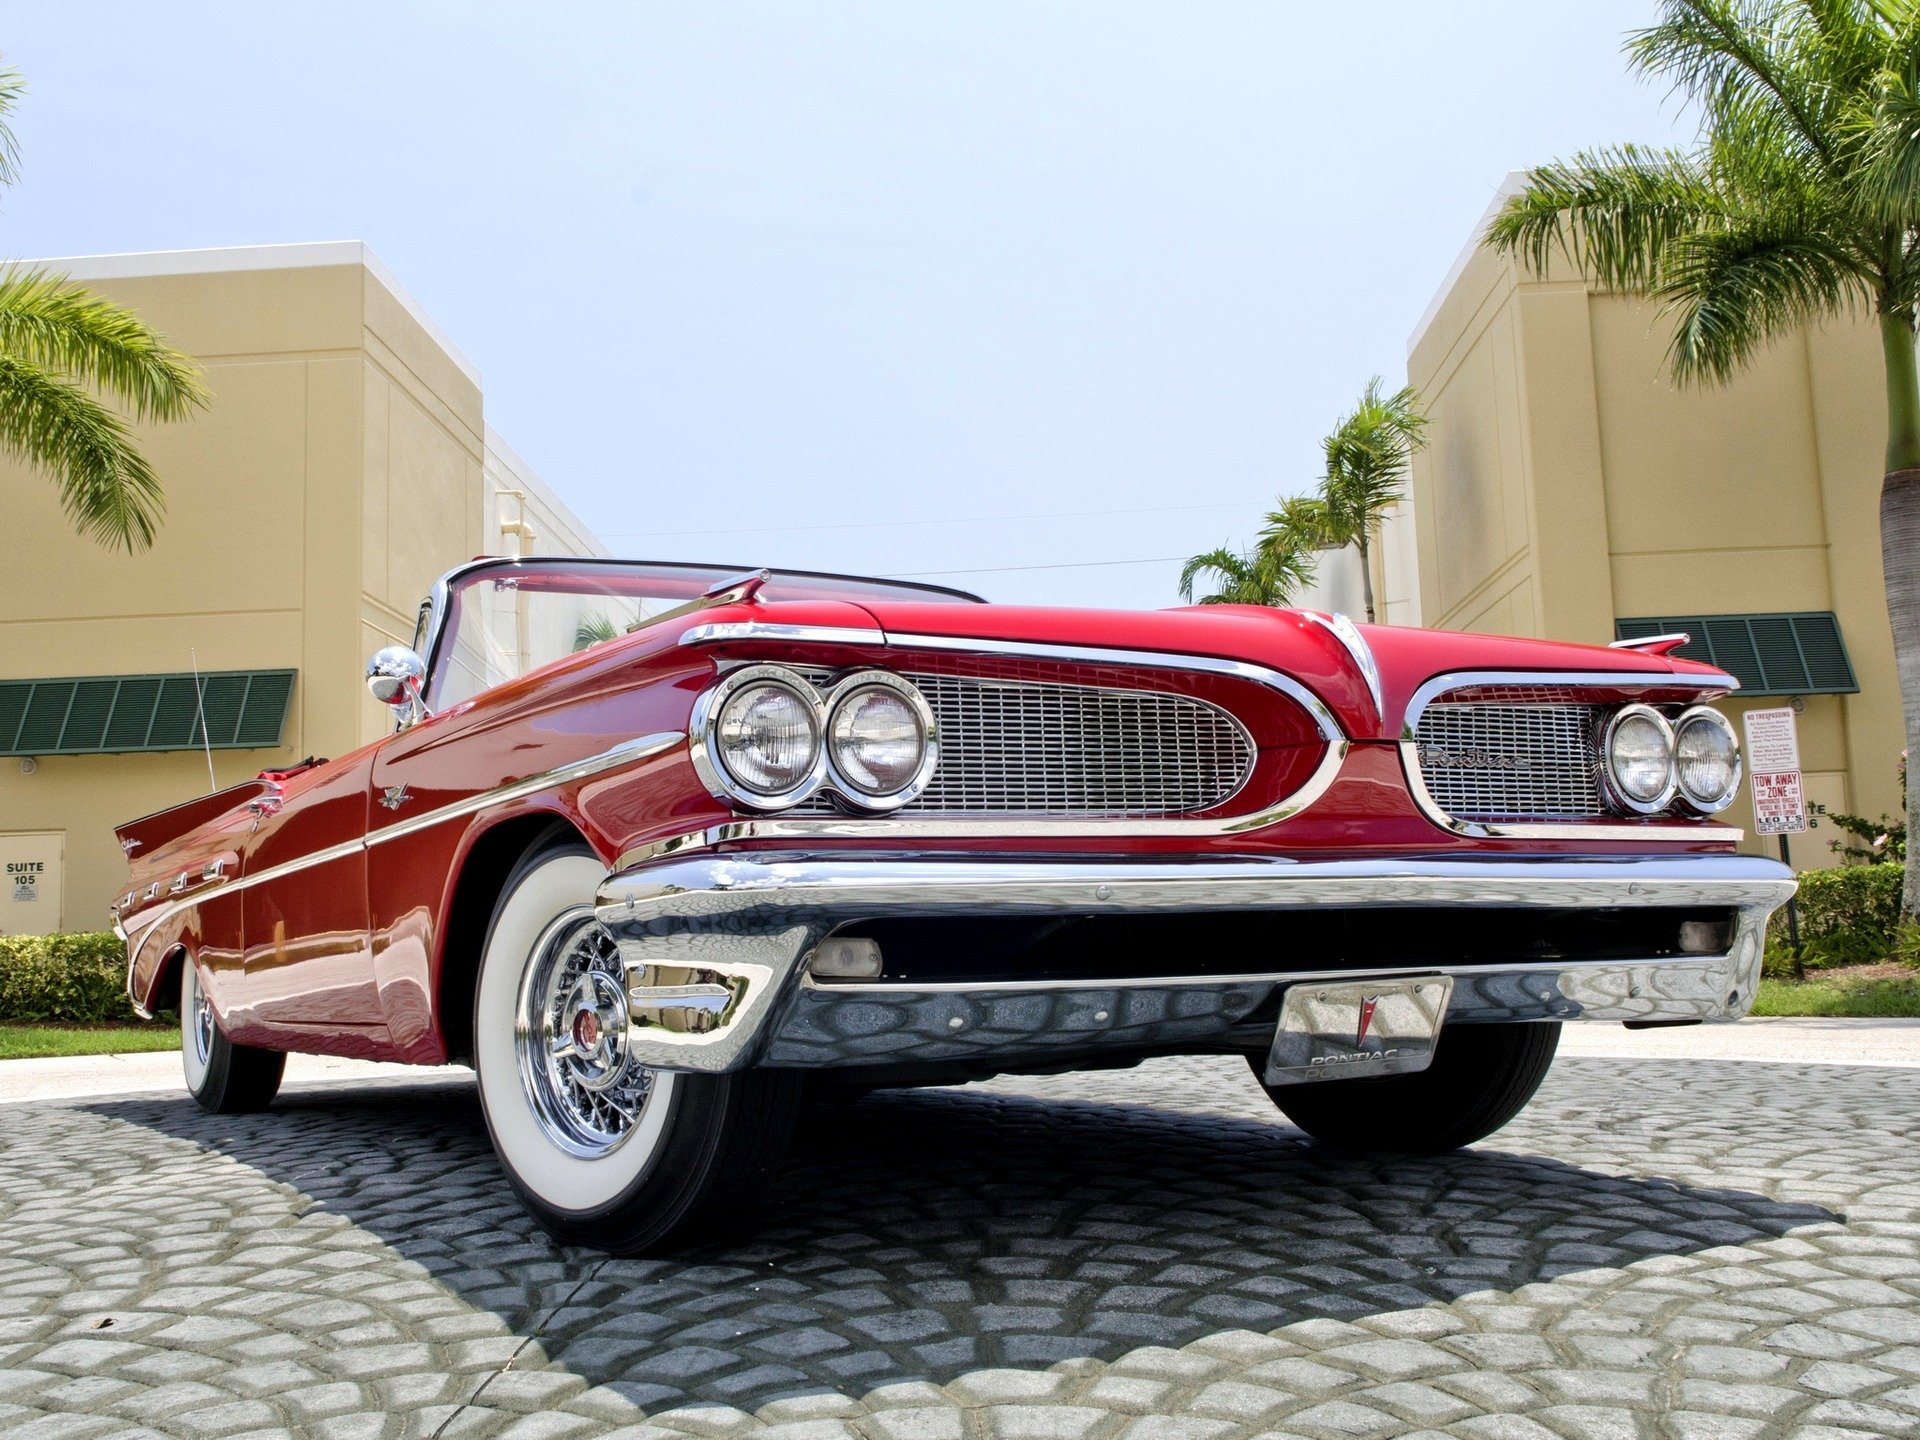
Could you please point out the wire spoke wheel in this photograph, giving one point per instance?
(570, 1034)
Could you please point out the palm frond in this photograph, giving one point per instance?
(593, 629)
(1264, 577)
(49, 320)
(1300, 521)
(1230, 565)
(106, 486)
(12, 86)
(1886, 178)
(1729, 55)
(1733, 289)
(1612, 213)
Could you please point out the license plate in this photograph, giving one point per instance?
(1351, 1031)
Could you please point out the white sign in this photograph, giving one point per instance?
(30, 866)
(1773, 772)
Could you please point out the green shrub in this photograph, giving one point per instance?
(66, 979)
(1848, 916)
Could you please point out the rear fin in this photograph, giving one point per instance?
(150, 832)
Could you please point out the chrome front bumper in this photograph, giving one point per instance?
(716, 949)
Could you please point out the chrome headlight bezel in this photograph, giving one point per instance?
(1617, 794)
(711, 766)
(1708, 804)
(844, 786)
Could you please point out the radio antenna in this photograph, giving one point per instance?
(200, 704)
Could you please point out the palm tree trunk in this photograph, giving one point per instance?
(1900, 550)
(1366, 574)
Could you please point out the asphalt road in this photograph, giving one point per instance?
(1656, 1247)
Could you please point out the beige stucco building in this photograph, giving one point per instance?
(343, 464)
(1572, 491)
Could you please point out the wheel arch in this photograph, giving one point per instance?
(482, 872)
(164, 993)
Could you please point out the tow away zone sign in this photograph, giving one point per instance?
(1773, 772)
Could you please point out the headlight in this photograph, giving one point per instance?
(880, 740)
(1706, 760)
(757, 738)
(1637, 759)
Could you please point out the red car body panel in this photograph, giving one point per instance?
(344, 956)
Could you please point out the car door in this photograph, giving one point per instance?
(308, 963)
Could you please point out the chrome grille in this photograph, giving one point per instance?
(1053, 749)
(1510, 762)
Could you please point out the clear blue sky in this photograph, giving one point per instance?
(785, 282)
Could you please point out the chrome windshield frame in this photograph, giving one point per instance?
(439, 602)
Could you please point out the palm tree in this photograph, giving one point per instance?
(1268, 575)
(58, 343)
(594, 629)
(1368, 456)
(1799, 202)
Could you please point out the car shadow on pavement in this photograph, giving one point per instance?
(923, 1235)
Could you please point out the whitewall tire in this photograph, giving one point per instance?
(602, 1151)
(223, 1077)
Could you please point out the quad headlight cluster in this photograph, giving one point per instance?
(766, 738)
(1651, 763)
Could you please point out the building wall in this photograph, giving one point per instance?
(339, 469)
(1570, 481)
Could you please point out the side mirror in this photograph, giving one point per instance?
(395, 675)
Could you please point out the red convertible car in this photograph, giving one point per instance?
(652, 844)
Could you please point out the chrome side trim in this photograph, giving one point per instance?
(750, 924)
(1348, 634)
(628, 752)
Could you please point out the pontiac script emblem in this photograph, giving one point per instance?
(1439, 757)
(1366, 1019)
(394, 796)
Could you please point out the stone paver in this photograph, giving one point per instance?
(1659, 1247)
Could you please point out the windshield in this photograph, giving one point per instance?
(506, 617)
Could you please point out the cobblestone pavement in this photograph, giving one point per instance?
(1654, 1248)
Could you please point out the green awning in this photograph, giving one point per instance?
(1780, 653)
(115, 714)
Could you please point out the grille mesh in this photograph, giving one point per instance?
(1510, 761)
(1050, 749)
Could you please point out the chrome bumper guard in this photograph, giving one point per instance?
(715, 949)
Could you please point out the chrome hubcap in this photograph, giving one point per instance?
(571, 1035)
(202, 1027)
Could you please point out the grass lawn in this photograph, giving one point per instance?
(1875, 991)
(23, 1042)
